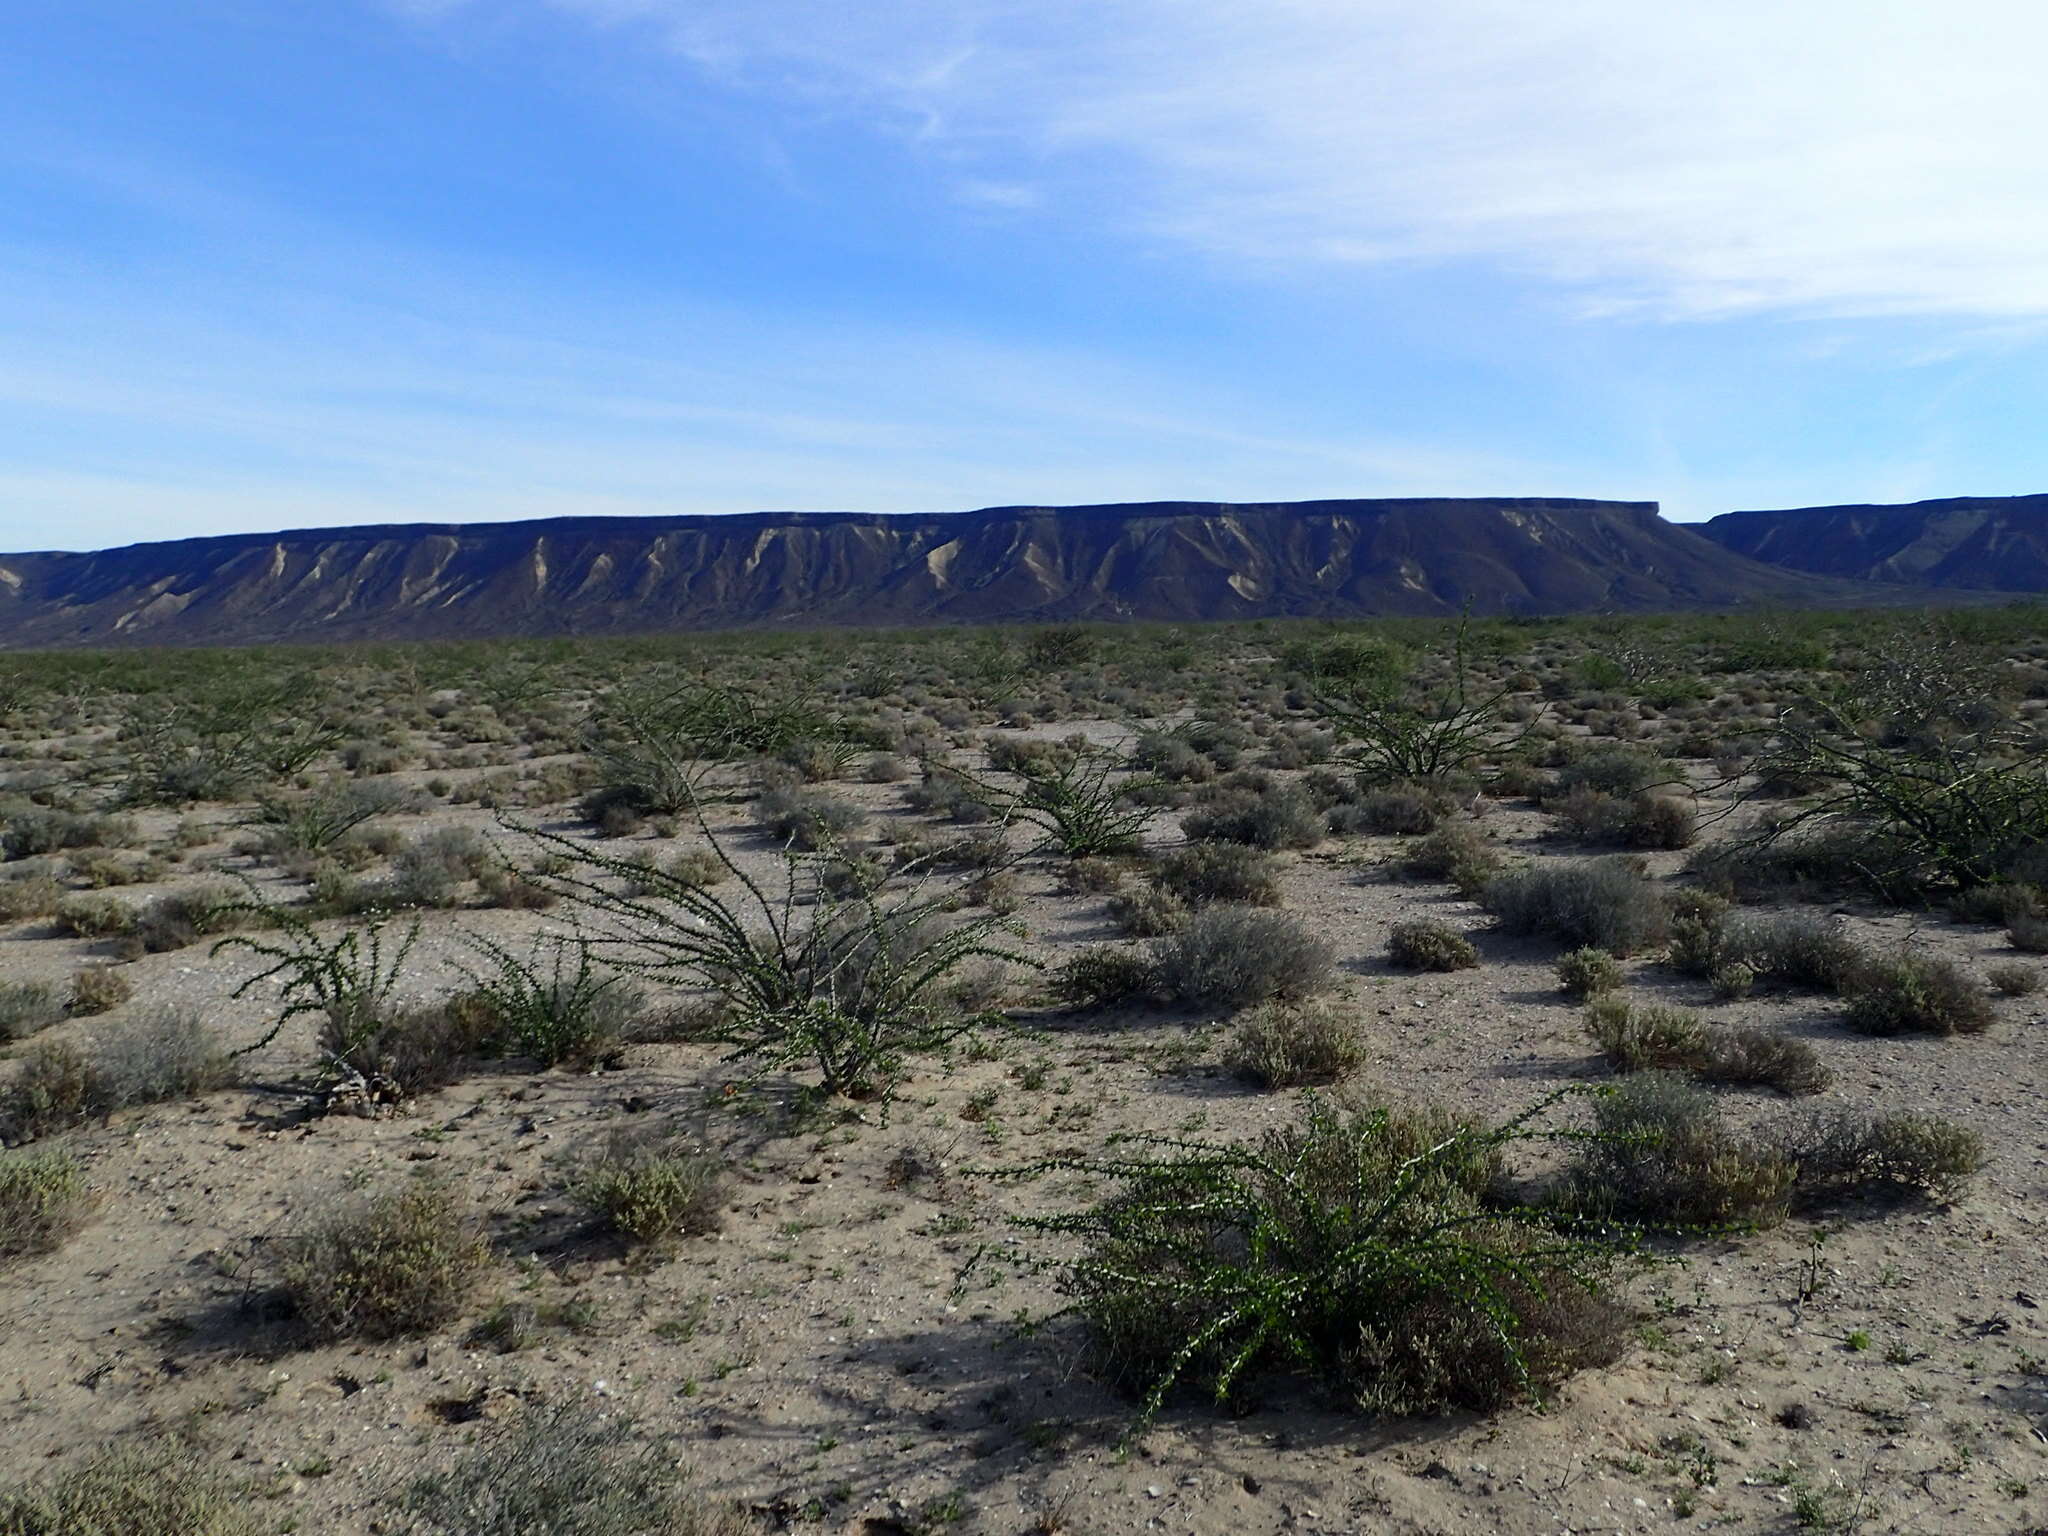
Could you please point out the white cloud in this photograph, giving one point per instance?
(1850, 157)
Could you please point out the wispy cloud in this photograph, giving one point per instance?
(1842, 157)
(334, 411)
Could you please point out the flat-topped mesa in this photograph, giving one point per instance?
(1187, 561)
(1988, 543)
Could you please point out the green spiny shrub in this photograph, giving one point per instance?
(1365, 1250)
(844, 975)
(555, 1005)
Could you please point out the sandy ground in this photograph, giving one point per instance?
(845, 1355)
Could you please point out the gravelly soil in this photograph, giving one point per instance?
(845, 1355)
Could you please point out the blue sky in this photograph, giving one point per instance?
(303, 262)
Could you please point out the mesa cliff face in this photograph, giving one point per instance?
(1186, 561)
(1989, 543)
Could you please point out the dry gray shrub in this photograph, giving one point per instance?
(566, 1470)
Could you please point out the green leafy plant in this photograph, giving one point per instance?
(349, 984)
(1395, 728)
(556, 1004)
(1922, 747)
(843, 975)
(1364, 1250)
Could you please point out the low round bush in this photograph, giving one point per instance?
(1283, 1045)
(156, 1487)
(1848, 1153)
(1407, 809)
(807, 819)
(43, 1200)
(1234, 957)
(1663, 1154)
(2014, 980)
(1202, 873)
(1605, 903)
(98, 989)
(402, 1261)
(1911, 994)
(1106, 976)
(1457, 852)
(1616, 770)
(1147, 912)
(652, 1189)
(1428, 945)
(565, 1469)
(1588, 972)
(1281, 817)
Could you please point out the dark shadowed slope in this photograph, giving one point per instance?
(1154, 560)
(1992, 543)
